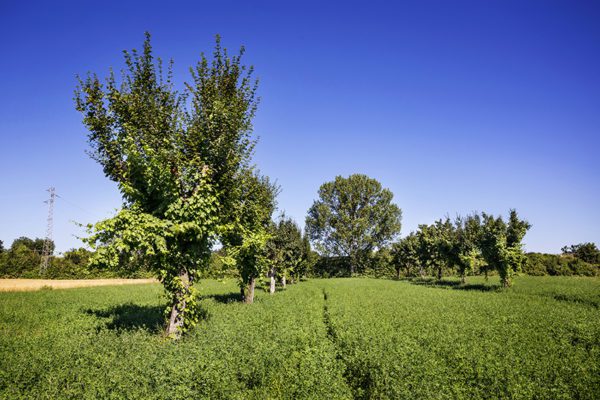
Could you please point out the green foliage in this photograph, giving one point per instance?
(178, 160)
(587, 252)
(554, 264)
(435, 246)
(245, 240)
(36, 245)
(468, 245)
(501, 245)
(406, 256)
(23, 260)
(353, 217)
(321, 339)
(465, 253)
(288, 250)
(20, 261)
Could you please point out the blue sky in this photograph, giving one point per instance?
(455, 106)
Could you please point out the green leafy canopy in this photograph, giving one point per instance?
(177, 158)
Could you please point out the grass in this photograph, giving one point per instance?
(335, 339)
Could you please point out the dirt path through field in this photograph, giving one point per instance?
(14, 285)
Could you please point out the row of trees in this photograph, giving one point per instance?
(465, 245)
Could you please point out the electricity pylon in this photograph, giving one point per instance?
(47, 250)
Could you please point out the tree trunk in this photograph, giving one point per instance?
(398, 274)
(463, 279)
(176, 318)
(506, 282)
(272, 276)
(248, 292)
(283, 281)
(439, 273)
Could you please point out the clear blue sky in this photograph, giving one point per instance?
(455, 106)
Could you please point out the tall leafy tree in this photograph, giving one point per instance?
(501, 244)
(176, 158)
(352, 217)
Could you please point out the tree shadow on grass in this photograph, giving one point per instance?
(455, 285)
(225, 298)
(130, 317)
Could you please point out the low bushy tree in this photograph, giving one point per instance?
(286, 251)
(405, 256)
(465, 252)
(501, 245)
(246, 239)
(435, 246)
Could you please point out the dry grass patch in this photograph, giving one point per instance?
(16, 285)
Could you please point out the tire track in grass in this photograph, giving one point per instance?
(358, 389)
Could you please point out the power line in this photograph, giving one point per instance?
(92, 214)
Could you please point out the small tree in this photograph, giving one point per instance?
(465, 251)
(352, 217)
(435, 246)
(308, 261)
(246, 240)
(286, 251)
(405, 255)
(175, 157)
(501, 244)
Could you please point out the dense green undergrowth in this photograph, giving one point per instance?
(336, 338)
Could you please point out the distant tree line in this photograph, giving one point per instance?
(23, 259)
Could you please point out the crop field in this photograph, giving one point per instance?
(320, 339)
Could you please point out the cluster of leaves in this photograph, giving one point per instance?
(466, 245)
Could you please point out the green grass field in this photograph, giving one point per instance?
(320, 339)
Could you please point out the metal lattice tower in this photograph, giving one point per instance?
(47, 251)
